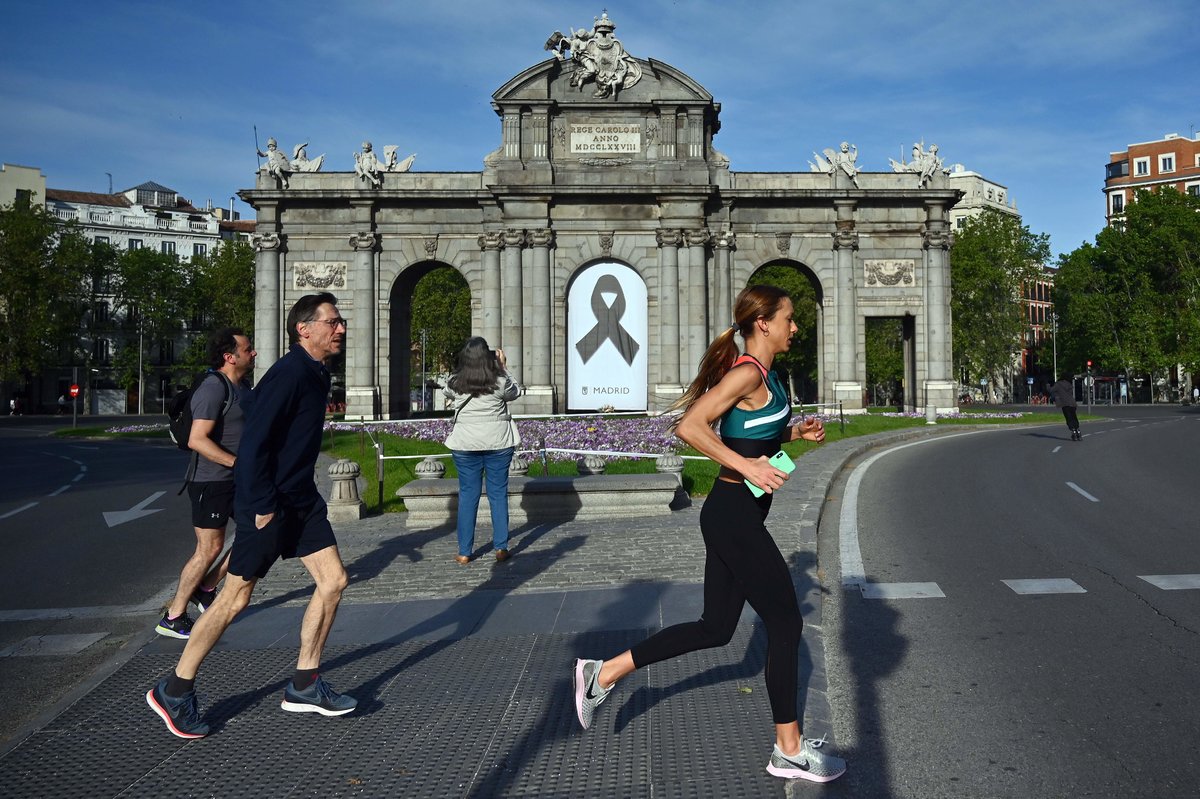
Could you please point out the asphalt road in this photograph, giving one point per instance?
(1085, 687)
(93, 535)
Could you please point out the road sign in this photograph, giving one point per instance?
(1029, 381)
(74, 390)
(1088, 381)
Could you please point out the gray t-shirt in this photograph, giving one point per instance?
(207, 402)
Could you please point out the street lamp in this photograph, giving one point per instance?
(1054, 339)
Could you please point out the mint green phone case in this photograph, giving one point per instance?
(780, 461)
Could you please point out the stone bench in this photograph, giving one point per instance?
(434, 502)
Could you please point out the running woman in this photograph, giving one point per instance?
(742, 563)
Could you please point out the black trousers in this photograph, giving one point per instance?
(1072, 419)
(742, 565)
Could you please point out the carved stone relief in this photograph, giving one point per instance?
(431, 245)
(606, 243)
(783, 243)
(320, 275)
(266, 241)
(890, 272)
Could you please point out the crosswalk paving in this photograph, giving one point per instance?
(1029, 587)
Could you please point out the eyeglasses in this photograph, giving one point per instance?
(333, 323)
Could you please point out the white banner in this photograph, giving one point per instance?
(607, 339)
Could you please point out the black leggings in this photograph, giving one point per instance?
(742, 564)
(1069, 415)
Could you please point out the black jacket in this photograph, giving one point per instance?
(282, 436)
(1064, 393)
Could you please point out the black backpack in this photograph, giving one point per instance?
(179, 411)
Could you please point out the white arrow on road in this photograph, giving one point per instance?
(115, 517)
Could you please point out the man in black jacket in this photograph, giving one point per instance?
(1064, 397)
(279, 513)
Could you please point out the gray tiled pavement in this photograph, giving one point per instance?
(462, 674)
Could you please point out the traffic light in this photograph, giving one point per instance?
(1089, 364)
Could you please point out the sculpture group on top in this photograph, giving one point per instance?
(598, 56)
(366, 164)
(925, 164)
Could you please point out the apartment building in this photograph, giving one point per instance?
(1173, 160)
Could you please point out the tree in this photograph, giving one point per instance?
(219, 293)
(43, 270)
(1131, 301)
(885, 356)
(441, 306)
(150, 289)
(994, 256)
(799, 364)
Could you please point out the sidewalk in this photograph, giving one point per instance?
(462, 674)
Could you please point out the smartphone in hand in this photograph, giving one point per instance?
(780, 461)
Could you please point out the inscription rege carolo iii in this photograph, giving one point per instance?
(890, 272)
(606, 138)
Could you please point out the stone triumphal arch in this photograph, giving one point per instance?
(603, 243)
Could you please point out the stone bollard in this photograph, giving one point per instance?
(590, 464)
(670, 464)
(430, 469)
(345, 505)
(519, 466)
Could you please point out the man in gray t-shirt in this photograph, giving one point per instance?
(214, 440)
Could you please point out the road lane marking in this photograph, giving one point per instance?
(902, 591)
(59, 490)
(1172, 582)
(1053, 585)
(854, 574)
(1082, 493)
(1056, 449)
(58, 644)
(15, 511)
(114, 517)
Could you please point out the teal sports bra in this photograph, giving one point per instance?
(768, 422)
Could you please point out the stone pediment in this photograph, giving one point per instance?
(550, 83)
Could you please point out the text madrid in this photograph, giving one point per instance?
(607, 390)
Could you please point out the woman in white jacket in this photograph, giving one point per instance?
(483, 440)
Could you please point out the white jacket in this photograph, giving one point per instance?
(483, 422)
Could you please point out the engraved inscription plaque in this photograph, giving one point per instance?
(606, 138)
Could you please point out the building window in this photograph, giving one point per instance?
(145, 197)
(1193, 189)
(1166, 163)
(168, 248)
(22, 198)
(1118, 203)
(135, 244)
(101, 314)
(199, 250)
(101, 351)
(1141, 167)
(166, 353)
(1117, 169)
(101, 239)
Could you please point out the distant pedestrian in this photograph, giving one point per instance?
(1063, 393)
(215, 435)
(1196, 395)
(482, 441)
(279, 513)
(62, 404)
(742, 562)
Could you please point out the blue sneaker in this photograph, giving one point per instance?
(317, 698)
(181, 713)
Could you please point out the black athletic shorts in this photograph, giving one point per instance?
(294, 532)
(212, 504)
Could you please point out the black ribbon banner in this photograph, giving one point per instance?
(608, 323)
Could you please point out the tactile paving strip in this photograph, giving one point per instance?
(473, 717)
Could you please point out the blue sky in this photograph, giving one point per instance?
(1032, 94)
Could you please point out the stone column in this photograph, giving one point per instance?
(846, 385)
(723, 256)
(270, 339)
(362, 386)
(695, 283)
(489, 285)
(540, 391)
(669, 317)
(939, 384)
(512, 311)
